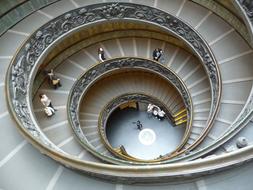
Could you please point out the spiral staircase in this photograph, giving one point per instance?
(204, 80)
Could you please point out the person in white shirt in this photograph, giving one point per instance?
(150, 108)
(156, 111)
(161, 114)
(101, 54)
(46, 101)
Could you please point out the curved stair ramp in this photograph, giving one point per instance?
(233, 55)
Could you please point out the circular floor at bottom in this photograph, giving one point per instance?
(155, 139)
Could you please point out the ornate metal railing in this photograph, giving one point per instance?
(20, 79)
(79, 89)
(114, 104)
(26, 62)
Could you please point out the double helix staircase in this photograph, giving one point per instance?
(22, 161)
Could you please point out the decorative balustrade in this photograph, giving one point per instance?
(27, 61)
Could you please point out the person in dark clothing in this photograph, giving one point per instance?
(46, 101)
(53, 79)
(139, 125)
(157, 53)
